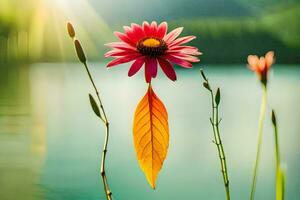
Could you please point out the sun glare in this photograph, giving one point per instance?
(38, 29)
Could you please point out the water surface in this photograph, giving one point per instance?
(50, 141)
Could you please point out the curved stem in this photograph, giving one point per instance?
(104, 119)
(260, 137)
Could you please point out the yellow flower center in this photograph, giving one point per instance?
(151, 42)
(152, 47)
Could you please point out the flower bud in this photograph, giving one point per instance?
(218, 97)
(206, 85)
(203, 75)
(79, 51)
(71, 30)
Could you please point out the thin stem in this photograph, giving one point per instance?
(217, 140)
(260, 137)
(279, 172)
(277, 154)
(222, 155)
(104, 119)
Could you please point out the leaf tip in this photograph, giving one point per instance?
(273, 117)
(94, 105)
(203, 75)
(218, 97)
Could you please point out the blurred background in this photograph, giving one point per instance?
(227, 30)
(50, 141)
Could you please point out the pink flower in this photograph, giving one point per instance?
(151, 45)
(261, 65)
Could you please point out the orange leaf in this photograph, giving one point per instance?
(151, 135)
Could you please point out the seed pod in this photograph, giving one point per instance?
(79, 51)
(218, 97)
(71, 30)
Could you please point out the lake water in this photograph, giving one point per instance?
(50, 140)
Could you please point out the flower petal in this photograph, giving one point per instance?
(146, 28)
(182, 40)
(136, 66)
(269, 59)
(153, 29)
(120, 45)
(137, 31)
(185, 50)
(129, 32)
(153, 65)
(118, 53)
(253, 62)
(162, 30)
(121, 60)
(178, 61)
(148, 70)
(186, 57)
(124, 38)
(262, 63)
(170, 37)
(167, 68)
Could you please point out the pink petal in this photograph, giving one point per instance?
(167, 68)
(124, 38)
(184, 49)
(178, 61)
(118, 53)
(153, 29)
(136, 66)
(162, 30)
(153, 65)
(121, 60)
(146, 28)
(188, 51)
(120, 45)
(182, 40)
(170, 37)
(148, 71)
(137, 31)
(130, 34)
(186, 57)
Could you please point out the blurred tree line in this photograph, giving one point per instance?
(31, 33)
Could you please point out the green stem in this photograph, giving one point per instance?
(217, 140)
(280, 185)
(260, 137)
(277, 155)
(104, 119)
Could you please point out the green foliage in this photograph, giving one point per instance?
(225, 35)
(230, 40)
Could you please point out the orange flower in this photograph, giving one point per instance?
(261, 65)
